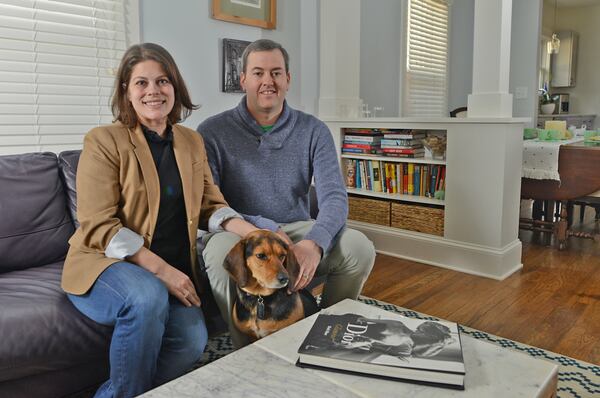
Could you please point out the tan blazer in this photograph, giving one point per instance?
(117, 186)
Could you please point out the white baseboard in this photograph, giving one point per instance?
(495, 263)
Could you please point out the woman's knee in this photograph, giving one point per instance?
(149, 296)
(194, 339)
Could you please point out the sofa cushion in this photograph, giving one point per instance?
(41, 330)
(67, 163)
(35, 223)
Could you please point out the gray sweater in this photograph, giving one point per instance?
(267, 176)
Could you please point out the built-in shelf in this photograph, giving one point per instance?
(394, 159)
(482, 194)
(395, 196)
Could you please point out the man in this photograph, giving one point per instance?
(264, 155)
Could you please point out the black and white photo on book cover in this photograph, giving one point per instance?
(395, 346)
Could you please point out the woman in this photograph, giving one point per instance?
(143, 189)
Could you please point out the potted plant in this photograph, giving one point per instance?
(546, 103)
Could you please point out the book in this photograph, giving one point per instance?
(351, 131)
(350, 167)
(411, 186)
(403, 155)
(391, 346)
(408, 151)
(400, 143)
(408, 135)
(377, 186)
(347, 145)
(362, 138)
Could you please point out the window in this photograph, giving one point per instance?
(426, 59)
(544, 71)
(57, 64)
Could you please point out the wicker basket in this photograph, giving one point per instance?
(369, 210)
(419, 218)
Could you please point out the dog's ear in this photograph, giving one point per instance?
(235, 264)
(291, 265)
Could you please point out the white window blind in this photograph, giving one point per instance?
(58, 59)
(427, 59)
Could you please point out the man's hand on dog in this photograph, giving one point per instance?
(308, 255)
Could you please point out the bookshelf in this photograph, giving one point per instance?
(482, 194)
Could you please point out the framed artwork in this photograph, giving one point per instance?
(232, 64)
(261, 13)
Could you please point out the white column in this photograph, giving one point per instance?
(491, 60)
(340, 58)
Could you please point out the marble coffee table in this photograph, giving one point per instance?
(267, 369)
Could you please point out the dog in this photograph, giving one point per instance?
(263, 267)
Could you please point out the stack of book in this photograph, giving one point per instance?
(394, 347)
(403, 143)
(362, 141)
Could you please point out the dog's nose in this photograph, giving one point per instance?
(283, 279)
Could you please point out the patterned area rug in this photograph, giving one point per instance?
(576, 379)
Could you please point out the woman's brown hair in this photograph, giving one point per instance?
(121, 107)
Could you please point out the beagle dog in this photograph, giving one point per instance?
(263, 266)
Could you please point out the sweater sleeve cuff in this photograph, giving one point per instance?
(217, 218)
(320, 236)
(262, 222)
(124, 243)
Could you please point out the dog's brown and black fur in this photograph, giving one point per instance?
(263, 267)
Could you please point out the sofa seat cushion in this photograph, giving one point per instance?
(41, 330)
(36, 224)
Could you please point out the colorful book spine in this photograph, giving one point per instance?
(350, 168)
(417, 180)
(411, 172)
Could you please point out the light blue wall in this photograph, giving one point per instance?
(380, 33)
(196, 48)
(526, 28)
(460, 57)
(186, 29)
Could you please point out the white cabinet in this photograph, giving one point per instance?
(482, 196)
(564, 64)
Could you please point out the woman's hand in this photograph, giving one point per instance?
(178, 284)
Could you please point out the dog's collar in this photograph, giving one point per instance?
(254, 298)
(258, 298)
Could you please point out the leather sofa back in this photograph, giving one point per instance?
(35, 225)
(67, 163)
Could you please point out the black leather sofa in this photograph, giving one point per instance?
(47, 348)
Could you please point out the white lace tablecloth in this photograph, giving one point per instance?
(540, 158)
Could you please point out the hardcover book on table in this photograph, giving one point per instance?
(391, 347)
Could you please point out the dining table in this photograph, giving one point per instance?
(572, 171)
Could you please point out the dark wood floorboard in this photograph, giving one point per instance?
(552, 303)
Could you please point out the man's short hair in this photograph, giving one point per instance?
(265, 45)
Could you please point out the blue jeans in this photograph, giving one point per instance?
(155, 337)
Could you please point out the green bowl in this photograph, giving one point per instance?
(530, 133)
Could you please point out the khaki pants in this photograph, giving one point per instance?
(347, 266)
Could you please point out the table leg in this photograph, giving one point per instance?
(537, 209)
(561, 227)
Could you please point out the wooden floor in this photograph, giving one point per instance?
(552, 303)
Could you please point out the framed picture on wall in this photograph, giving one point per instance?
(261, 13)
(232, 65)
